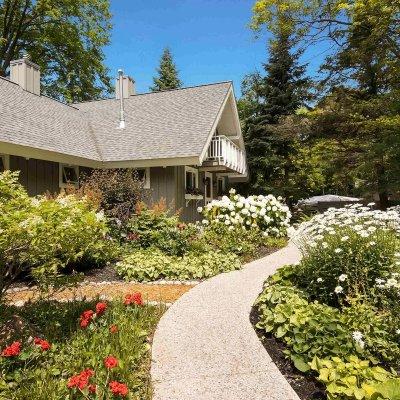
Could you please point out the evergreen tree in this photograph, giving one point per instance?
(167, 74)
(279, 93)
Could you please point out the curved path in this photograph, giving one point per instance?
(205, 346)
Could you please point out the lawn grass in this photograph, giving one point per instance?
(44, 374)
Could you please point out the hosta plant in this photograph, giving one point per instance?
(265, 213)
(151, 264)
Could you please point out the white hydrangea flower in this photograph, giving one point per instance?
(338, 289)
(199, 209)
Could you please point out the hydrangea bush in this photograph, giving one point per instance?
(348, 252)
(266, 213)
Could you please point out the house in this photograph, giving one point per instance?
(186, 143)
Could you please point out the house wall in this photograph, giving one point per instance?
(40, 176)
(37, 176)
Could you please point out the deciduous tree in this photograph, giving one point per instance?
(65, 37)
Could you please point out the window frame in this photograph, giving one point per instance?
(195, 173)
(147, 183)
(6, 161)
(223, 180)
(61, 172)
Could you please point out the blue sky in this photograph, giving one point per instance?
(209, 39)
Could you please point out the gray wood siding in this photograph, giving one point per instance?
(37, 176)
(163, 185)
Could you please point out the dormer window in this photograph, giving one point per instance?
(69, 175)
(4, 162)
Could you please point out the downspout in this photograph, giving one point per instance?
(121, 99)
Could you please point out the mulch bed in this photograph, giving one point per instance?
(159, 293)
(306, 387)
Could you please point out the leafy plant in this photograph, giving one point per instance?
(42, 236)
(151, 264)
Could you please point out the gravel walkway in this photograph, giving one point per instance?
(206, 348)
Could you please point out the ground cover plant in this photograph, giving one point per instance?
(337, 311)
(159, 246)
(79, 350)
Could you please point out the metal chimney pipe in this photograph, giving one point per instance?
(121, 99)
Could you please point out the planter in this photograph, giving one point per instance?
(195, 197)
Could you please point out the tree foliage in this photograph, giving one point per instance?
(358, 112)
(65, 38)
(269, 98)
(167, 78)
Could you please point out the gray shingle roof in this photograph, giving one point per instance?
(166, 124)
(43, 123)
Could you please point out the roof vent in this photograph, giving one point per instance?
(120, 96)
(26, 74)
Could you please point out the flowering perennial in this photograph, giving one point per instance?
(135, 298)
(13, 350)
(266, 213)
(362, 220)
(80, 381)
(110, 362)
(44, 344)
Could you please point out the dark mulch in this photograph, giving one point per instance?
(103, 274)
(306, 387)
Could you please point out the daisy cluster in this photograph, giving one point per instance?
(362, 220)
(267, 213)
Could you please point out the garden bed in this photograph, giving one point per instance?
(78, 352)
(306, 387)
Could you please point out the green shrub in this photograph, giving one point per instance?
(151, 264)
(347, 252)
(45, 235)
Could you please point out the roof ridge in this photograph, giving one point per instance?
(158, 92)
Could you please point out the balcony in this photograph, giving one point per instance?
(224, 155)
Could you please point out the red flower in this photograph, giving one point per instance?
(101, 308)
(81, 380)
(113, 328)
(118, 389)
(86, 318)
(13, 350)
(44, 344)
(110, 362)
(135, 298)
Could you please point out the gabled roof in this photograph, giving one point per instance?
(162, 125)
(169, 124)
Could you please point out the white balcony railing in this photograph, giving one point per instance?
(226, 153)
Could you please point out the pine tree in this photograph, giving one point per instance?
(167, 74)
(279, 93)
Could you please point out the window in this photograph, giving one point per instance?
(69, 175)
(192, 179)
(220, 186)
(4, 162)
(144, 175)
